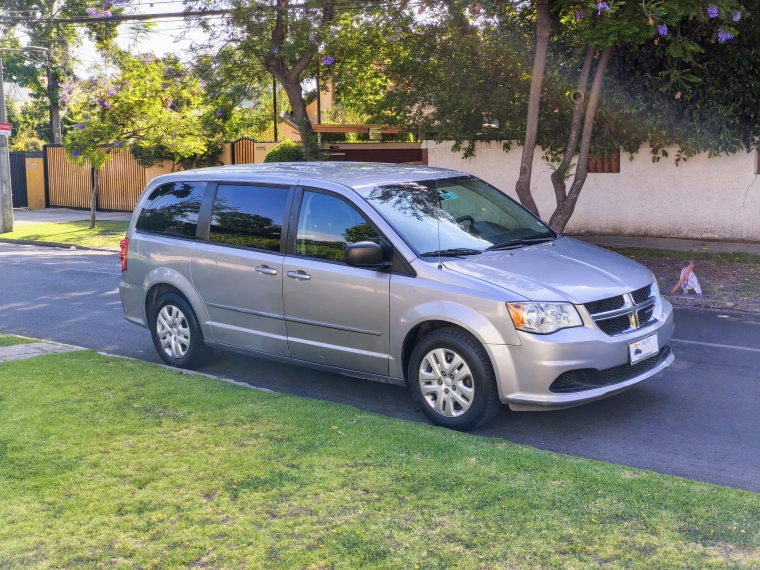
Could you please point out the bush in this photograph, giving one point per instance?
(286, 151)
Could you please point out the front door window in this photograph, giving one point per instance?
(327, 224)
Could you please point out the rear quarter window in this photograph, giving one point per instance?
(172, 209)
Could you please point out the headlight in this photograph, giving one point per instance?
(544, 318)
(655, 285)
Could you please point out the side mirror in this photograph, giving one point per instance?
(365, 254)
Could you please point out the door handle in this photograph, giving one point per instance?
(266, 270)
(300, 275)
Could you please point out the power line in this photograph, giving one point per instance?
(118, 18)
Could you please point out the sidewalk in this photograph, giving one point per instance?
(701, 245)
(22, 217)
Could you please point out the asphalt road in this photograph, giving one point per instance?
(698, 419)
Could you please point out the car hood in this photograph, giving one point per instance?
(562, 270)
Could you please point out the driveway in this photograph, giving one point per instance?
(698, 419)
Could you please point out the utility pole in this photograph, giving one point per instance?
(6, 193)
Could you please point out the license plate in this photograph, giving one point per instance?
(643, 348)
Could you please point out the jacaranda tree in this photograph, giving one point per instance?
(150, 106)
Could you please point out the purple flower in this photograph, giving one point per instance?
(328, 60)
(86, 117)
(79, 126)
(169, 104)
(113, 91)
(107, 4)
(98, 12)
(219, 113)
(724, 35)
(165, 85)
(579, 15)
(736, 15)
(712, 12)
(275, 51)
(76, 153)
(662, 29)
(118, 144)
(313, 38)
(602, 6)
(394, 38)
(103, 103)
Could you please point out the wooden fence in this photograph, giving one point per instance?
(122, 180)
(67, 185)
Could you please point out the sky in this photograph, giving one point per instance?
(172, 35)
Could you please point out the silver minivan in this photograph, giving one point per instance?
(418, 276)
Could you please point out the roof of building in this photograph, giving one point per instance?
(355, 175)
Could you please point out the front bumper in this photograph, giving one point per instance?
(525, 372)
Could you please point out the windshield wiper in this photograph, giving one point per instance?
(517, 242)
(455, 252)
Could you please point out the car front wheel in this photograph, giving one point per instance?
(452, 380)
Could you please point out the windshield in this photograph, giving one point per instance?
(464, 217)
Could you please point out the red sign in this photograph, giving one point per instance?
(5, 129)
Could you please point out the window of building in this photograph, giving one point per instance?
(605, 163)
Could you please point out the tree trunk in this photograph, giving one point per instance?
(308, 137)
(564, 211)
(55, 123)
(543, 33)
(559, 176)
(55, 110)
(94, 198)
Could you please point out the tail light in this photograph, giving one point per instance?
(123, 251)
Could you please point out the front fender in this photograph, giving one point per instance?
(491, 324)
(165, 275)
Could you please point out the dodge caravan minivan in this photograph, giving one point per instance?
(418, 276)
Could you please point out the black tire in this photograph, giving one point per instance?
(484, 404)
(197, 352)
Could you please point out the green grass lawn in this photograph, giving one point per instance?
(74, 233)
(117, 463)
(9, 340)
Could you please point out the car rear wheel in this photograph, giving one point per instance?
(176, 333)
(452, 380)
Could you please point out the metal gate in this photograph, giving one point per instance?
(18, 179)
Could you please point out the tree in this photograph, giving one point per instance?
(152, 107)
(464, 75)
(59, 38)
(627, 25)
(282, 40)
(543, 33)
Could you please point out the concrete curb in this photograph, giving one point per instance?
(190, 372)
(704, 303)
(74, 347)
(59, 245)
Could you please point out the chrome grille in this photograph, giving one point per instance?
(625, 313)
(605, 305)
(641, 295)
(615, 325)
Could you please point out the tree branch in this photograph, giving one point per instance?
(562, 215)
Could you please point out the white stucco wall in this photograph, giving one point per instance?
(703, 198)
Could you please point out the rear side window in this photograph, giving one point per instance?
(249, 216)
(172, 209)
